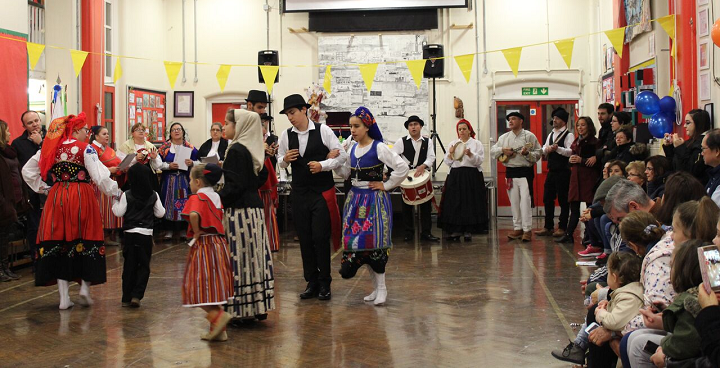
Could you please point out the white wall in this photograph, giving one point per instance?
(13, 16)
(60, 30)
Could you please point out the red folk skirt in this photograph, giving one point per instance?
(208, 278)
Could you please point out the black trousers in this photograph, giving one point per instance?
(137, 251)
(312, 224)
(575, 216)
(409, 219)
(557, 185)
(31, 229)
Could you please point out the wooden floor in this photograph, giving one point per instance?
(486, 303)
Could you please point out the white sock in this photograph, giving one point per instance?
(64, 291)
(372, 295)
(85, 292)
(381, 289)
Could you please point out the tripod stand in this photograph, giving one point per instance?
(433, 132)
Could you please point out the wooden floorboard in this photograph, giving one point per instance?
(486, 303)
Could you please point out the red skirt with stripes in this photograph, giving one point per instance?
(208, 276)
(271, 224)
(110, 221)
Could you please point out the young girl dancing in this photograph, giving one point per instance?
(208, 276)
(367, 214)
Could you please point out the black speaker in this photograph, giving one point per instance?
(268, 57)
(434, 68)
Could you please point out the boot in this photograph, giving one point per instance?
(85, 299)
(5, 268)
(381, 289)
(372, 295)
(64, 291)
(4, 277)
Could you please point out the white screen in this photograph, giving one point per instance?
(325, 5)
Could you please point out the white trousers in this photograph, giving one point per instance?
(520, 204)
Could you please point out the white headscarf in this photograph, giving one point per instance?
(248, 132)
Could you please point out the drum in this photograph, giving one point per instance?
(459, 151)
(416, 190)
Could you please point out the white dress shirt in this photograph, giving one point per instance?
(213, 149)
(399, 148)
(328, 138)
(478, 155)
(563, 151)
(512, 140)
(120, 206)
(386, 156)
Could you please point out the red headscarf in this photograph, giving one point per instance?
(60, 130)
(463, 121)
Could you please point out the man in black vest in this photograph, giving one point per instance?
(557, 183)
(305, 148)
(419, 154)
(257, 101)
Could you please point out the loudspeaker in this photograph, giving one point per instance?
(268, 57)
(434, 68)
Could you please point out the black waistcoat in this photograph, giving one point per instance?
(302, 178)
(409, 152)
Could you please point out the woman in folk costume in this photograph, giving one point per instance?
(463, 207)
(70, 238)
(268, 190)
(367, 214)
(144, 151)
(100, 140)
(244, 221)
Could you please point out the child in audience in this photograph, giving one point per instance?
(208, 280)
(138, 206)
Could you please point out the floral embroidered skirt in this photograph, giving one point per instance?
(174, 192)
(367, 230)
(70, 238)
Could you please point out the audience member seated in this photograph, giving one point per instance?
(636, 173)
(626, 150)
(707, 323)
(680, 187)
(711, 156)
(657, 169)
(685, 155)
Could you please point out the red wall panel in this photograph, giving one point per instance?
(14, 86)
(93, 72)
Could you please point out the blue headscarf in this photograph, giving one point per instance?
(368, 119)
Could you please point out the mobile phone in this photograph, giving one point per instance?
(659, 306)
(709, 259)
(650, 347)
(591, 327)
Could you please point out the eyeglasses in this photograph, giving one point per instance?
(140, 130)
(215, 130)
(704, 148)
(635, 175)
(176, 130)
(648, 168)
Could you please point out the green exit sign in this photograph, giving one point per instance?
(535, 91)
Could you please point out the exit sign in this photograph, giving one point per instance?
(535, 91)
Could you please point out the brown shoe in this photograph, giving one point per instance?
(558, 233)
(544, 232)
(527, 236)
(516, 234)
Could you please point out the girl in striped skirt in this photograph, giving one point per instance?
(208, 277)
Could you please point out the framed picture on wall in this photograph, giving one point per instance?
(184, 104)
(703, 22)
(704, 86)
(709, 108)
(704, 55)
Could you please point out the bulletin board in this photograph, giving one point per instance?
(147, 107)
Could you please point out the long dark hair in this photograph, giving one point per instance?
(680, 187)
(140, 178)
(685, 272)
(95, 130)
(592, 131)
(701, 119)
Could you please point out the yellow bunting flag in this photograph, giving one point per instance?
(269, 72)
(465, 62)
(668, 24)
(416, 67)
(617, 39)
(118, 71)
(172, 68)
(78, 60)
(565, 48)
(368, 74)
(327, 81)
(34, 51)
(222, 76)
(513, 58)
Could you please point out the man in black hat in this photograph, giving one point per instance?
(557, 183)
(305, 148)
(522, 150)
(418, 153)
(256, 101)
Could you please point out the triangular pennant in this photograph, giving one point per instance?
(565, 48)
(617, 39)
(34, 51)
(327, 80)
(222, 76)
(118, 71)
(78, 60)
(513, 58)
(269, 72)
(172, 68)
(672, 51)
(668, 24)
(368, 74)
(465, 62)
(416, 68)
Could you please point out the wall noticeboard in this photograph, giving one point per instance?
(148, 107)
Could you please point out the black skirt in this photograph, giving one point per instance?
(463, 207)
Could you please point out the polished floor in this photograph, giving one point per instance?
(484, 303)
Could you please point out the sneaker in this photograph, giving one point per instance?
(590, 251)
(572, 353)
(601, 260)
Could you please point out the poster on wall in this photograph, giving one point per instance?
(147, 107)
(608, 90)
(637, 14)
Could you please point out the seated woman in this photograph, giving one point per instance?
(657, 169)
(636, 173)
(685, 155)
(626, 150)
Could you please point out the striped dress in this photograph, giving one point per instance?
(108, 157)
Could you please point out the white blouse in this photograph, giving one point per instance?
(478, 155)
(213, 149)
(154, 164)
(387, 156)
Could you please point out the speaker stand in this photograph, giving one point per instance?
(433, 133)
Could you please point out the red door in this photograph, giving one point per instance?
(108, 115)
(219, 110)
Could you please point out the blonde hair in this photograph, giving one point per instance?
(639, 167)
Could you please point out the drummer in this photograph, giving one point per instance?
(418, 153)
(463, 208)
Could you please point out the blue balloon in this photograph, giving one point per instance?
(667, 104)
(661, 123)
(647, 102)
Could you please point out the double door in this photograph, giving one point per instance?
(538, 120)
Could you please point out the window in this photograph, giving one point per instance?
(36, 33)
(109, 66)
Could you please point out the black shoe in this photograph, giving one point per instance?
(324, 293)
(453, 238)
(408, 238)
(310, 292)
(429, 237)
(261, 317)
(571, 353)
(566, 239)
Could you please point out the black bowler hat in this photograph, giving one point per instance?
(414, 118)
(266, 117)
(256, 96)
(294, 101)
(515, 114)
